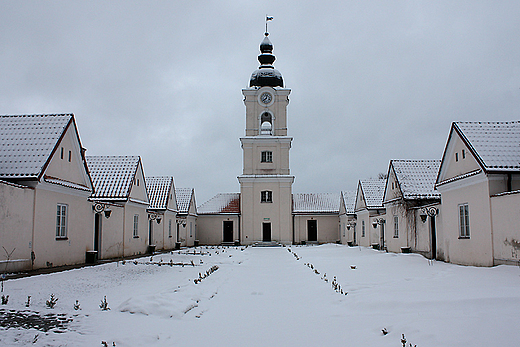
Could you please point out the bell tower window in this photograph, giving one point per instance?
(266, 196)
(267, 157)
(266, 124)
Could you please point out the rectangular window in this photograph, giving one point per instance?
(61, 221)
(70, 156)
(362, 228)
(136, 225)
(457, 156)
(267, 196)
(396, 226)
(170, 228)
(191, 229)
(267, 157)
(463, 154)
(464, 221)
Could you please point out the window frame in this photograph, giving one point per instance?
(363, 232)
(266, 196)
(169, 228)
(266, 157)
(62, 211)
(396, 226)
(136, 226)
(464, 231)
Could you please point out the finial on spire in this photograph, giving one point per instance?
(267, 19)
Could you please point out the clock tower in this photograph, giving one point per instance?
(266, 182)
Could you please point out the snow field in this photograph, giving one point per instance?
(269, 296)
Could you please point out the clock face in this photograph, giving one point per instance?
(266, 98)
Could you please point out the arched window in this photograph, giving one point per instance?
(266, 123)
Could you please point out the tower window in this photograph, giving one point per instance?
(267, 157)
(266, 196)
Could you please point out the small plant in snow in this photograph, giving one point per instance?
(53, 300)
(403, 341)
(384, 331)
(28, 302)
(104, 304)
(76, 305)
(5, 299)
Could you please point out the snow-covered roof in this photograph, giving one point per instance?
(183, 199)
(159, 190)
(64, 183)
(349, 197)
(373, 191)
(495, 144)
(112, 176)
(416, 178)
(27, 143)
(316, 202)
(221, 203)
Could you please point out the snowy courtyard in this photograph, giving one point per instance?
(277, 296)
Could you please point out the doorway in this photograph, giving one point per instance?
(150, 232)
(228, 231)
(266, 232)
(312, 230)
(97, 232)
(434, 237)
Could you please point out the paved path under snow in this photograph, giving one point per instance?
(270, 297)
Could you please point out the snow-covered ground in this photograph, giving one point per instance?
(270, 297)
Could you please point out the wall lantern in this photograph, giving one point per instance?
(155, 216)
(428, 212)
(99, 208)
(378, 221)
(351, 225)
(181, 222)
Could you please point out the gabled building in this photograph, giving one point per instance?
(347, 218)
(163, 208)
(479, 182)
(120, 202)
(316, 217)
(218, 220)
(45, 218)
(187, 216)
(409, 197)
(370, 213)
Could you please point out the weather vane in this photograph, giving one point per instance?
(267, 19)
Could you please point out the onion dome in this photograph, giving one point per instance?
(266, 75)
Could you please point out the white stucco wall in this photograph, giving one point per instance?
(210, 228)
(327, 227)
(506, 228)
(16, 223)
(52, 251)
(477, 249)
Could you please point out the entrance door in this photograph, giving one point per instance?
(434, 237)
(312, 230)
(228, 231)
(266, 232)
(97, 232)
(150, 232)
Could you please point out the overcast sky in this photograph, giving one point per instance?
(371, 80)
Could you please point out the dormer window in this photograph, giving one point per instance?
(267, 157)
